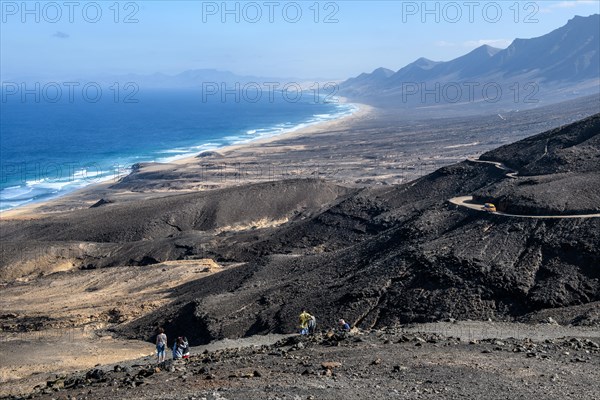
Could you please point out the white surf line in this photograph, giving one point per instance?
(466, 201)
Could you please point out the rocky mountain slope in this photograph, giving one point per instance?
(161, 229)
(376, 256)
(558, 170)
(564, 61)
(409, 256)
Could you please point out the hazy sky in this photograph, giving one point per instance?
(306, 39)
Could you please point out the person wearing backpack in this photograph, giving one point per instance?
(312, 325)
(304, 318)
(178, 349)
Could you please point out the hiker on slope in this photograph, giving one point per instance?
(305, 317)
(312, 325)
(161, 345)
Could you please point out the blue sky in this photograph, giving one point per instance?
(345, 38)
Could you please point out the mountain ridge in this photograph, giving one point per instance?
(566, 57)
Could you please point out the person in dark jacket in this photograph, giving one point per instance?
(343, 326)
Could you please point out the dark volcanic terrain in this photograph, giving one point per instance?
(382, 257)
(558, 172)
(379, 256)
(243, 260)
(379, 365)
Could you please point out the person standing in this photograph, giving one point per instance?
(312, 325)
(161, 345)
(304, 318)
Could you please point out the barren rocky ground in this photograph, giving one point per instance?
(62, 321)
(240, 261)
(379, 364)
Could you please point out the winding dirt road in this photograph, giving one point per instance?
(467, 201)
(510, 173)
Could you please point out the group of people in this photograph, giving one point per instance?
(181, 347)
(308, 324)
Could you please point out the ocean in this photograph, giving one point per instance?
(49, 148)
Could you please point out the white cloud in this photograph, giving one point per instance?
(550, 7)
(61, 35)
(573, 3)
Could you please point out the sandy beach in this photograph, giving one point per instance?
(371, 147)
(229, 158)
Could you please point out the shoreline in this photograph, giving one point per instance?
(362, 110)
(34, 209)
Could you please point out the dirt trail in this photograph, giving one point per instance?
(481, 330)
(467, 201)
(31, 358)
(509, 172)
(389, 363)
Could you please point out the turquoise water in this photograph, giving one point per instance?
(48, 149)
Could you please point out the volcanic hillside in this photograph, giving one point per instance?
(558, 170)
(160, 229)
(375, 256)
(405, 254)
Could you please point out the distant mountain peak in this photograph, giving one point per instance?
(558, 60)
(479, 54)
(425, 63)
(383, 72)
(579, 18)
(487, 49)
